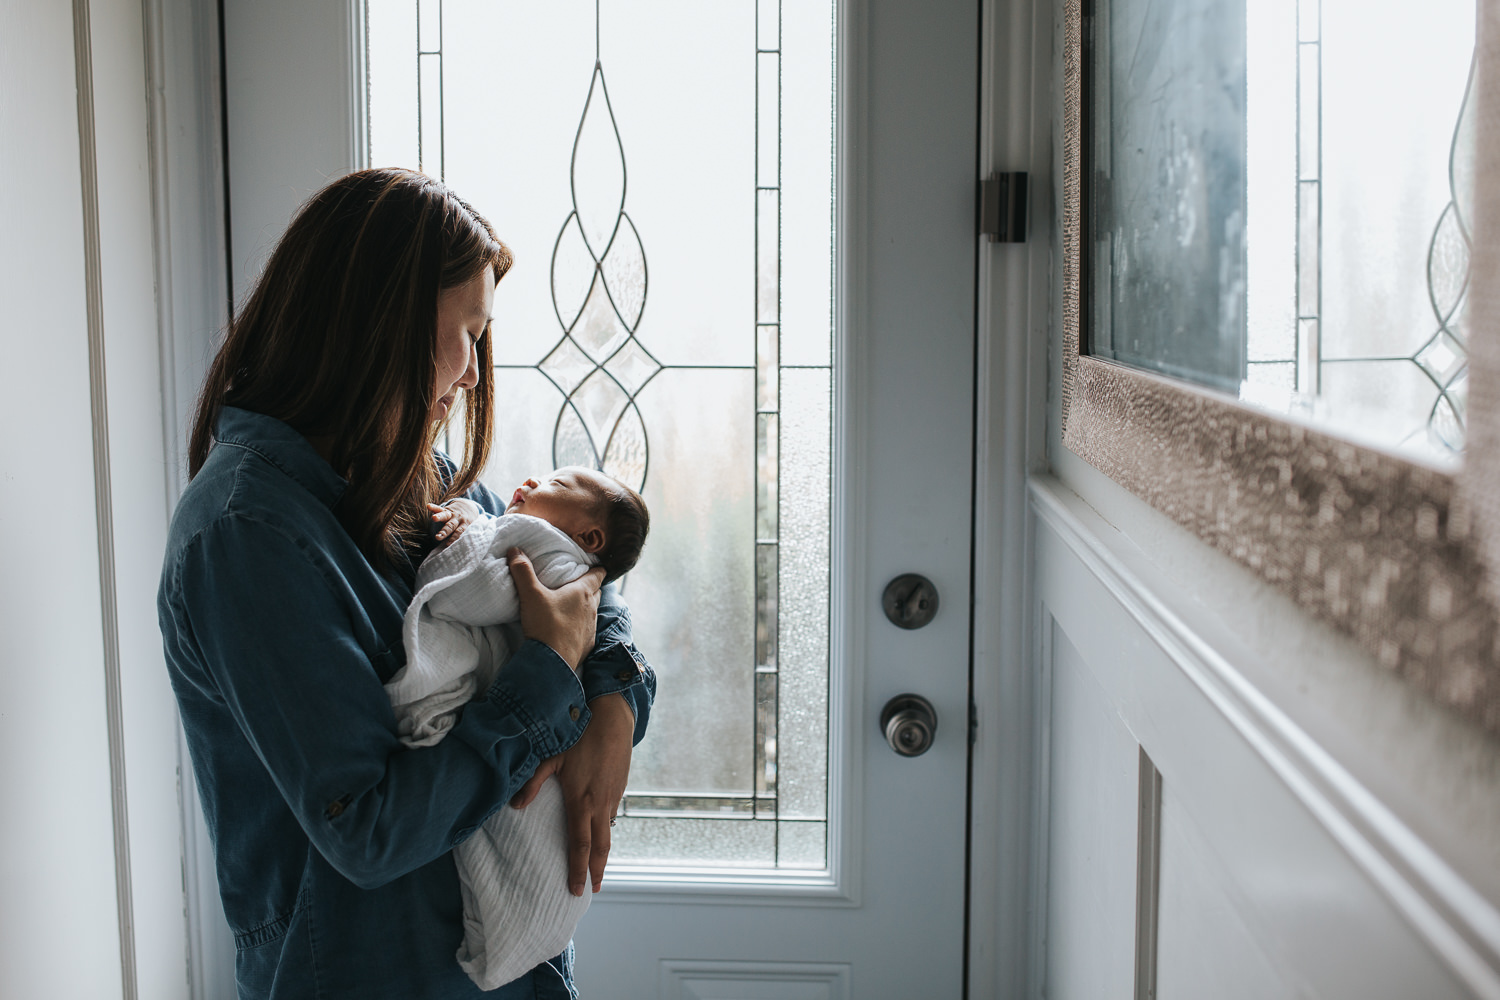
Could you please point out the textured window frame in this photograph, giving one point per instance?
(1376, 546)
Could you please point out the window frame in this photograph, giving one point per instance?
(1377, 546)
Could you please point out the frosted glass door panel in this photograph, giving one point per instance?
(668, 320)
(698, 584)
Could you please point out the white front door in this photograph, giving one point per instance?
(861, 892)
(889, 919)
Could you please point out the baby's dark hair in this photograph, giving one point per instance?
(626, 521)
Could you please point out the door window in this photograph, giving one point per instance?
(663, 174)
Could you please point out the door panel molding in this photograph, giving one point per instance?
(1449, 914)
(695, 980)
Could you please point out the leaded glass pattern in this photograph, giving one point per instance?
(1378, 266)
(599, 292)
(707, 386)
(1277, 206)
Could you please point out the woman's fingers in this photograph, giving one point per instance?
(529, 791)
(580, 848)
(523, 574)
(599, 846)
(593, 778)
(588, 846)
(589, 817)
(564, 618)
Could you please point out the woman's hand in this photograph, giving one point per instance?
(564, 618)
(592, 773)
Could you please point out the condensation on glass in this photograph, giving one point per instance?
(708, 386)
(1167, 192)
(1279, 201)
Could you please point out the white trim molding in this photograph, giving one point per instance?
(1448, 913)
(1012, 326)
(186, 168)
(83, 63)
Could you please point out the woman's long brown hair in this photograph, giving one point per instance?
(337, 340)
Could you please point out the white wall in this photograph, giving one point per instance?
(140, 480)
(57, 866)
(91, 871)
(1283, 872)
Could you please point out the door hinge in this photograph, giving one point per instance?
(1002, 207)
(973, 723)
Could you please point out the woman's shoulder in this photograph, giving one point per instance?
(242, 499)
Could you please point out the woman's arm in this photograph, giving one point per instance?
(619, 687)
(593, 773)
(287, 668)
(614, 666)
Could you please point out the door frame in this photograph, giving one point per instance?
(1016, 289)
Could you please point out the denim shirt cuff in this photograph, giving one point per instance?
(618, 669)
(539, 690)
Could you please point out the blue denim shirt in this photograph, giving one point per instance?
(332, 840)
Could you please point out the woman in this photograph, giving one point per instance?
(288, 569)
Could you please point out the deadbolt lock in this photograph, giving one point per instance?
(910, 600)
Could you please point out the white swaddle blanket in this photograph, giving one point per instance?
(459, 630)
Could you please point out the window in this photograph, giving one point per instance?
(669, 320)
(1360, 538)
(1279, 198)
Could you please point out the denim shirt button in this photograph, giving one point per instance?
(573, 713)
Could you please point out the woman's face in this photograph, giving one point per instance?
(463, 314)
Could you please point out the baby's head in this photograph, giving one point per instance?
(605, 517)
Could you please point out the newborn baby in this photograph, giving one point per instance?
(460, 628)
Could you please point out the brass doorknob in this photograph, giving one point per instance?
(909, 724)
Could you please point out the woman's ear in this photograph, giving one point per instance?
(590, 540)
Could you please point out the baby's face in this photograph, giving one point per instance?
(569, 500)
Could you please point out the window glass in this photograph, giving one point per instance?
(663, 173)
(1277, 202)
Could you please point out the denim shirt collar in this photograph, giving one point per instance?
(284, 448)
